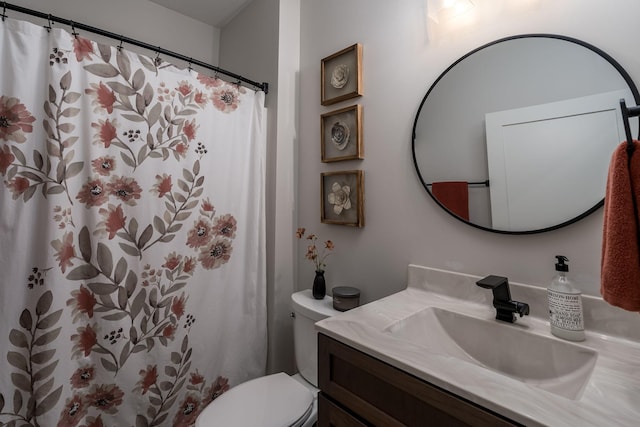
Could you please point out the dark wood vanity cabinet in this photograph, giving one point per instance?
(358, 390)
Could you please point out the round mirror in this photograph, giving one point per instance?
(516, 136)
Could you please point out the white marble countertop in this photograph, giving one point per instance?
(610, 398)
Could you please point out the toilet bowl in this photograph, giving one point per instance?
(278, 400)
(275, 400)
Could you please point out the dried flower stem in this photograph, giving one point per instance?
(313, 254)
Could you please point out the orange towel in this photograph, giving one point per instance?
(620, 273)
(453, 195)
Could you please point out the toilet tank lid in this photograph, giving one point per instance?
(272, 401)
(305, 304)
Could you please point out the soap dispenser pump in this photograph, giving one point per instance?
(565, 305)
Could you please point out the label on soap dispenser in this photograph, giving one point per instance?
(565, 310)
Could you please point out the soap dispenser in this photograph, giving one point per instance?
(565, 305)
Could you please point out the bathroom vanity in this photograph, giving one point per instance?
(351, 384)
(434, 354)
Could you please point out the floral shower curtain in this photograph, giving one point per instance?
(132, 263)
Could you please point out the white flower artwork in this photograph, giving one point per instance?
(339, 197)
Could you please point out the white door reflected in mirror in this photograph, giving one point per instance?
(540, 168)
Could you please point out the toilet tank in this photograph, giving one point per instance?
(307, 311)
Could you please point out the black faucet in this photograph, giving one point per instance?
(505, 307)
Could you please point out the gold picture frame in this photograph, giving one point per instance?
(341, 135)
(342, 198)
(341, 75)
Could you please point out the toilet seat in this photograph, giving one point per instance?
(273, 401)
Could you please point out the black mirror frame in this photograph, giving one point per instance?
(606, 56)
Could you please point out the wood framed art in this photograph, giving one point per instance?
(341, 75)
(341, 134)
(342, 198)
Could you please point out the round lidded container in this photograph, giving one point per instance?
(345, 298)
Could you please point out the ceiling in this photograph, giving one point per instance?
(213, 12)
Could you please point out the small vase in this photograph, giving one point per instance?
(319, 288)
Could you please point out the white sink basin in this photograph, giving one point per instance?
(547, 363)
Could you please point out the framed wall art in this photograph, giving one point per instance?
(341, 134)
(341, 75)
(342, 198)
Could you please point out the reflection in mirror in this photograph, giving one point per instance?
(516, 136)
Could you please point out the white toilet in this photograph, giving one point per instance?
(278, 400)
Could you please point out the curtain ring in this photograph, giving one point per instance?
(157, 61)
(73, 30)
(4, 10)
(189, 66)
(120, 45)
(50, 23)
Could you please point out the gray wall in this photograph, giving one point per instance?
(403, 54)
(137, 19)
(263, 43)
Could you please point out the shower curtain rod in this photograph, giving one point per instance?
(264, 86)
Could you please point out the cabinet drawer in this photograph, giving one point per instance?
(332, 415)
(383, 395)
